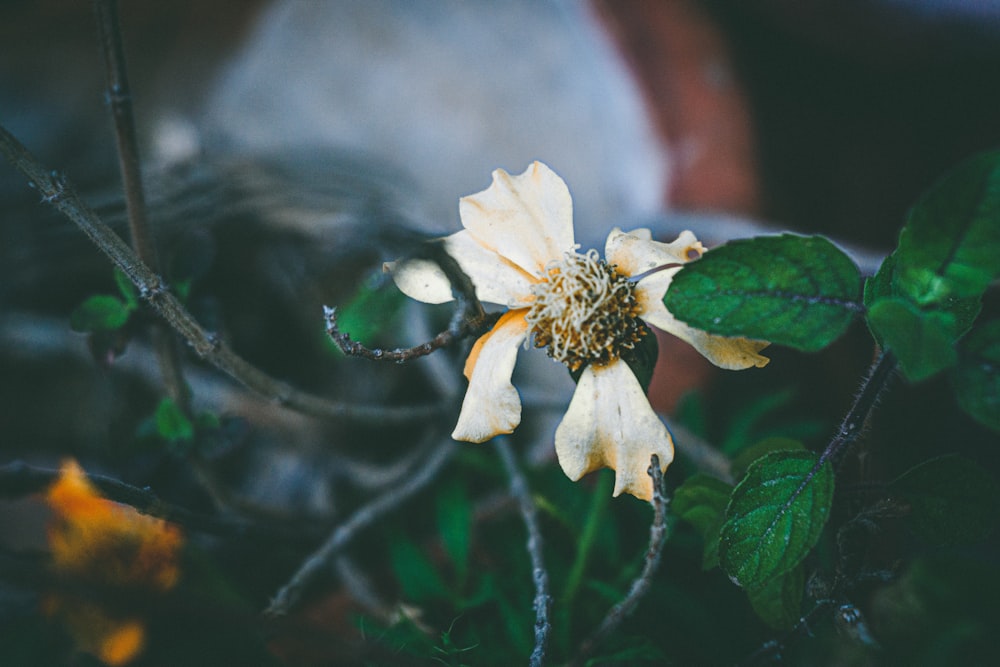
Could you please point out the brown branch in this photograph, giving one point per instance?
(640, 586)
(323, 558)
(468, 319)
(529, 514)
(119, 99)
(56, 190)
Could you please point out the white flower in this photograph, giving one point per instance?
(518, 249)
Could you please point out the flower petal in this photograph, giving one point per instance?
(492, 405)
(527, 218)
(610, 423)
(497, 280)
(725, 352)
(635, 252)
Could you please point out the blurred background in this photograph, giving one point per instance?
(287, 145)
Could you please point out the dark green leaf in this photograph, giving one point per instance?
(952, 499)
(775, 516)
(701, 501)
(171, 422)
(779, 601)
(419, 579)
(759, 449)
(454, 520)
(950, 246)
(961, 312)
(791, 290)
(976, 378)
(370, 311)
(923, 341)
(99, 313)
(127, 289)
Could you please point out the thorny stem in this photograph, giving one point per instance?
(322, 559)
(850, 429)
(469, 318)
(18, 479)
(529, 514)
(640, 586)
(55, 190)
(854, 422)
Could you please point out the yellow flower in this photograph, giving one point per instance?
(518, 249)
(106, 544)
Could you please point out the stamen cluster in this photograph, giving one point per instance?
(585, 313)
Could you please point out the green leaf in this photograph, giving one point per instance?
(779, 601)
(370, 311)
(171, 422)
(922, 340)
(701, 501)
(792, 290)
(99, 313)
(419, 579)
(760, 449)
(960, 312)
(127, 289)
(976, 378)
(775, 516)
(454, 520)
(953, 500)
(950, 246)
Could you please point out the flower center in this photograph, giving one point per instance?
(585, 313)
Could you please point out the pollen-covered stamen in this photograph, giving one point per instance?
(585, 313)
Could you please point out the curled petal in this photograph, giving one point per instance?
(527, 218)
(635, 253)
(420, 279)
(724, 352)
(496, 279)
(492, 405)
(610, 423)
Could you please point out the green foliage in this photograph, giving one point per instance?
(779, 601)
(927, 293)
(99, 313)
(950, 245)
(701, 501)
(746, 457)
(454, 520)
(923, 341)
(976, 378)
(127, 289)
(952, 499)
(941, 611)
(775, 516)
(172, 424)
(370, 311)
(419, 579)
(790, 290)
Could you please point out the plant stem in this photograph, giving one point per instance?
(640, 586)
(56, 191)
(365, 516)
(871, 388)
(529, 514)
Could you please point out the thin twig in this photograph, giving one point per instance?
(640, 586)
(56, 190)
(119, 97)
(850, 429)
(469, 317)
(322, 559)
(18, 479)
(529, 514)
